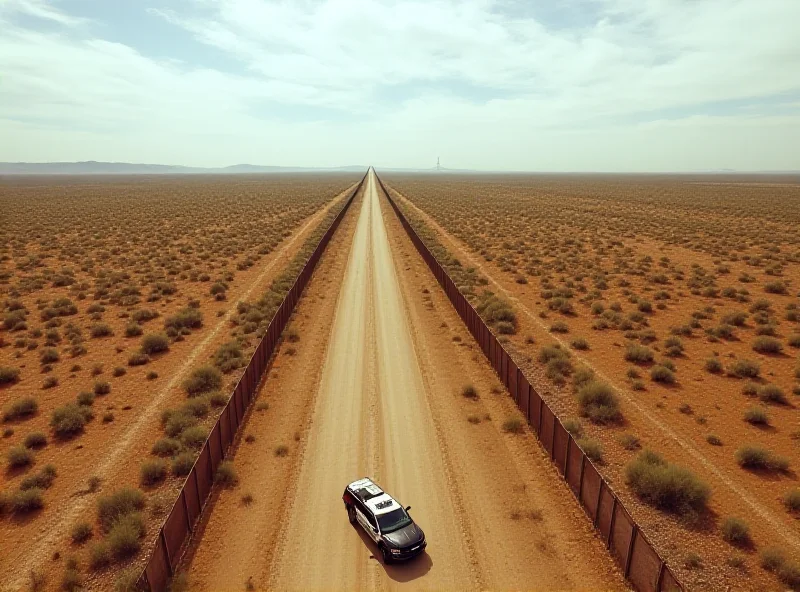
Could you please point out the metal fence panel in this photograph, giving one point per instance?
(560, 441)
(535, 411)
(590, 490)
(605, 511)
(513, 375)
(669, 583)
(191, 496)
(205, 475)
(524, 396)
(224, 424)
(645, 565)
(176, 528)
(621, 535)
(546, 435)
(574, 467)
(158, 571)
(215, 446)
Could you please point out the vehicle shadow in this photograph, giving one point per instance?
(399, 572)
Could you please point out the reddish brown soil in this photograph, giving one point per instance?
(456, 208)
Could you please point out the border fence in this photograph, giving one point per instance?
(177, 529)
(642, 565)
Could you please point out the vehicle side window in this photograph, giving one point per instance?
(371, 520)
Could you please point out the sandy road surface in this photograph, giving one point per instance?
(371, 419)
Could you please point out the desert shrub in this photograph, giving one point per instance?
(714, 440)
(745, 369)
(582, 376)
(154, 343)
(767, 345)
(756, 416)
(35, 440)
(580, 343)
(559, 327)
(166, 447)
(193, 437)
(792, 500)
(126, 580)
(138, 359)
(50, 382)
(203, 380)
(197, 407)
(226, 474)
(176, 423)
(86, 398)
(124, 538)
(100, 330)
(644, 306)
(219, 399)
(469, 392)
(26, 500)
(152, 471)
(506, 328)
(789, 575)
(20, 408)
(495, 310)
(592, 448)
(49, 355)
(736, 532)
(182, 464)
(102, 388)
(99, 555)
(751, 456)
(8, 375)
(772, 558)
(229, 356)
(574, 427)
(630, 441)
(41, 480)
(143, 315)
(112, 507)
(775, 288)
(713, 365)
(133, 330)
(794, 341)
(187, 318)
(736, 319)
(638, 354)
(118, 371)
(18, 457)
(80, 532)
(598, 401)
(666, 486)
(662, 374)
(771, 393)
(513, 425)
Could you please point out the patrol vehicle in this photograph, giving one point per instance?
(384, 520)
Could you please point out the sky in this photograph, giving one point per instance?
(524, 85)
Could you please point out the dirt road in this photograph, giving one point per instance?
(384, 408)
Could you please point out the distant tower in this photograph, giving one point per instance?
(438, 166)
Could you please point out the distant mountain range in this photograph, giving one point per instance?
(92, 167)
(125, 168)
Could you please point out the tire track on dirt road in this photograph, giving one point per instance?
(43, 545)
(780, 526)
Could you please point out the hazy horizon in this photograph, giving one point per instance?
(488, 85)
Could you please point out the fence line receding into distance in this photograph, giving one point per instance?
(642, 565)
(177, 529)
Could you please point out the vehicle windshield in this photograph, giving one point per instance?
(394, 520)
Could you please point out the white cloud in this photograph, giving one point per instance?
(468, 75)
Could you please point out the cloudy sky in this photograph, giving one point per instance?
(540, 85)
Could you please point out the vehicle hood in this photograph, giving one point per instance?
(405, 537)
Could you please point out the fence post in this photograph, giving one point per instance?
(197, 482)
(580, 479)
(566, 456)
(222, 449)
(166, 550)
(660, 579)
(599, 497)
(541, 408)
(634, 534)
(553, 439)
(613, 520)
(186, 509)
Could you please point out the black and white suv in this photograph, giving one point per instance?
(384, 520)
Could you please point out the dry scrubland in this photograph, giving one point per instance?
(106, 286)
(660, 318)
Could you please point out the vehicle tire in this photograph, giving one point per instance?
(351, 514)
(387, 557)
